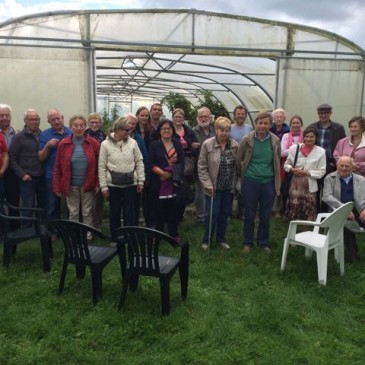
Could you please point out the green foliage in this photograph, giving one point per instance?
(108, 119)
(240, 310)
(173, 101)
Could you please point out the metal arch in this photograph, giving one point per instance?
(169, 70)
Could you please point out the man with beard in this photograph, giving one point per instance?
(203, 131)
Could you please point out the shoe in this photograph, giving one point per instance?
(246, 249)
(54, 237)
(89, 236)
(224, 245)
(205, 246)
(113, 244)
(267, 249)
(277, 215)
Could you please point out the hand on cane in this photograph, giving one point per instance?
(211, 191)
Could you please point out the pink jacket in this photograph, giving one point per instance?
(344, 147)
(62, 168)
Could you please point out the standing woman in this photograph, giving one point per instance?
(166, 158)
(354, 145)
(121, 173)
(279, 128)
(310, 167)
(190, 145)
(217, 174)
(75, 173)
(295, 136)
(95, 123)
(143, 127)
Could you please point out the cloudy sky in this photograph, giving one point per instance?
(344, 17)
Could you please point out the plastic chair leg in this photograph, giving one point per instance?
(322, 261)
(165, 296)
(63, 277)
(123, 293)
(96, 281)
(285, 254)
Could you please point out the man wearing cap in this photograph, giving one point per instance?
(329, 133)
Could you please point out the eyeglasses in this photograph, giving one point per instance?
(166, 129)
(126, 129)
(324, 112)
(94, 122)
(33, 119)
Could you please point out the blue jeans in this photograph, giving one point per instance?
(222, 203)
(32, 192)
(122, 198)
(257, 196)
(53, 202)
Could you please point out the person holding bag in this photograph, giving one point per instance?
(310, 167)
(121, 173)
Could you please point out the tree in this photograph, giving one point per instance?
(108, 119)
(173, 101)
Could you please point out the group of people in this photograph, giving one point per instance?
(146, 161)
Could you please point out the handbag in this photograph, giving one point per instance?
(285, 185)
(189, 168)
(122, 178)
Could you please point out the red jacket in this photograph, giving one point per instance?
(62, 168)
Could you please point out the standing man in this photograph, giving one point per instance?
(239, 130)
(329, 133)
(258, 161)
(48, 142)
(11, 190)
(341, 187)
(203, 131)
(25, 163)
(156, 114)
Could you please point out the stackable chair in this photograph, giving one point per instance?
(327, 234)
(30, 228)
(81, 254)
(141, 252)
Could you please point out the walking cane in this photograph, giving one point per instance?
(210, 221)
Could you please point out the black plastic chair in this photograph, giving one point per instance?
(141, 253)
(79, 253)
(30, 228)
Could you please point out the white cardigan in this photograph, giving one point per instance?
(314, 163)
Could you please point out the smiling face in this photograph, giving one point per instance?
(263, 126)
(55, 119)
(166, 131)
(310, 139)
(344, 166)
(178, 119)
(222, 134)
(240, 116)
(143, 117)
(32, 121)
(94, 124)
(295, 125)
(324, 115)
(355, 129)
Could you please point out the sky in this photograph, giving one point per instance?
(344, 17)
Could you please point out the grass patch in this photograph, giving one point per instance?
(240, 310)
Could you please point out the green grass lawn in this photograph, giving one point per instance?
(240, 310)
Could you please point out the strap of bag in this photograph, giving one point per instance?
(296, 155)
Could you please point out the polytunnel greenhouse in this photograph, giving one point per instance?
(76, 60)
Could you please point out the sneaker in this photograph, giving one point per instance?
(267, 249)
(246, 249)
(113, 244)
(225, 245)
(205, 246)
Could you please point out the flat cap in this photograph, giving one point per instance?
(324, 107)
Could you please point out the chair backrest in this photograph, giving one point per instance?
(336, 221)
(74, 237)
(144, 247)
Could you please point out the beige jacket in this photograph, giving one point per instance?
(209, 160)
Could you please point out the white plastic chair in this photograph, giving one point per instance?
(327, 234)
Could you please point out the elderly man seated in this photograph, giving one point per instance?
(341, 187)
